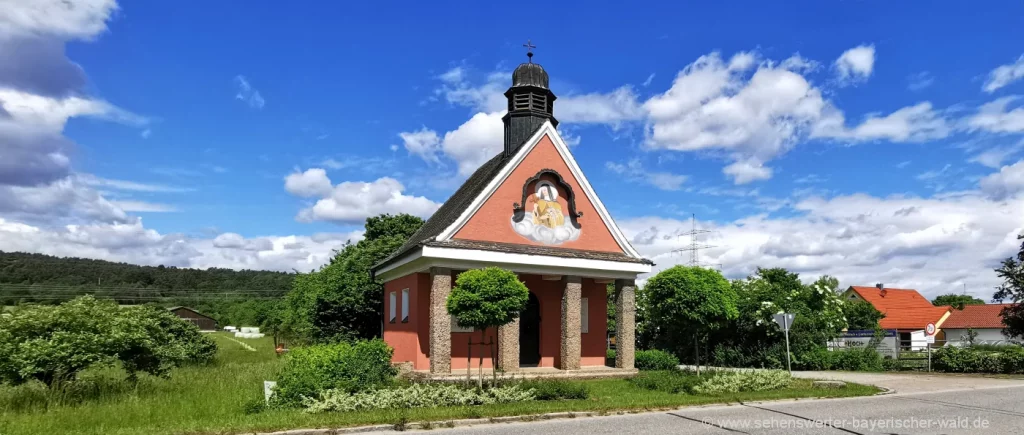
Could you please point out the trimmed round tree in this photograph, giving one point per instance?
(687, 303)
(487, 298)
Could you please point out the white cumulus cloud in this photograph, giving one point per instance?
(855, 64)
(312, 182)
(935, 245)
(351, 202)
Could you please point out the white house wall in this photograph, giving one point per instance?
(985, 336)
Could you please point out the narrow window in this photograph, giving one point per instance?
(405, 305)
(392, 304)
(584, 316)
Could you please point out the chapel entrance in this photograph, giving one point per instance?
(529, 333)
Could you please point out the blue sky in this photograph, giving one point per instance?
(869, 140)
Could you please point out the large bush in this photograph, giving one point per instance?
(345, 367)
(754, 340)
(865, 359)
(1011, 360)
(52, 344)
(968, 360)
(170, 341)
(816, 359)
(655, 360)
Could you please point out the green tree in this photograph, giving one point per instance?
(685, 305)
(861, 315)
(341, 301)
(956, 301)
(1012, 289)
(487, 298)
(754, 340)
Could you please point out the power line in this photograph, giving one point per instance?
(694, 248)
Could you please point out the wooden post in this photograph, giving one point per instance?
(494, 363)
(480, 382)
(696, 354)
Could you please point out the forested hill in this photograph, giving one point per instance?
(24, 274)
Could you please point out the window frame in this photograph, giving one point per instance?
(392, 302)
(405, 305)
(584, 315)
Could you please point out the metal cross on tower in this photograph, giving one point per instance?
(529, 49)
(695, 247)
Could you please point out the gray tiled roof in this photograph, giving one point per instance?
(452, 208)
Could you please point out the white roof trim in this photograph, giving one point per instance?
(455, 258)
(574, 168)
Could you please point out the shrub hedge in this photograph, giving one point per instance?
(970, 360)
(849, 360)
(344, 367)
(711, 382)
(655, 360)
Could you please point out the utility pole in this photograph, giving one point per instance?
(694, 248)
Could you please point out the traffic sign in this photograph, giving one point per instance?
(930, 329)
(930, 339)
(785, 320)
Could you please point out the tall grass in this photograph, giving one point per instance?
(103, 401)
(212, 399)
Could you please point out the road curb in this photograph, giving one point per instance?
(447, 424)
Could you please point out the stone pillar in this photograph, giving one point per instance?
(508, 346)
(625, 323)
(440, 321)
(571, 323)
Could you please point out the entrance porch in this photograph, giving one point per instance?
(564, 326)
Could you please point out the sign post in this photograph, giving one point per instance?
(929, 337)
(785, 320)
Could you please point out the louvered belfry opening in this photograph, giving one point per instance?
(530, 103)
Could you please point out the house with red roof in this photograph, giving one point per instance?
(905, 310)
(985, 320)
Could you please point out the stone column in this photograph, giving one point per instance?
(508, 346)
(440, 321)
(625, 323)
(571, 323)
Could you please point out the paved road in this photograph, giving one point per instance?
(978, 405)
(915, 382)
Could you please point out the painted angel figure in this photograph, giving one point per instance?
(546, 210)
(547, 223)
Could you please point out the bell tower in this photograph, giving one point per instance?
(530, 103)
